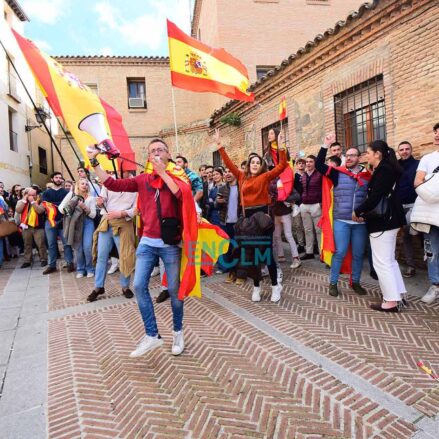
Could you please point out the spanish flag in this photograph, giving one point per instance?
(285, 183)
(326, 223)
(283, 109)
(29, 216)
(72, 101)
(202, 243)
(51, 211)
(197, 67)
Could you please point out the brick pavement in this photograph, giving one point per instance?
(238, 380)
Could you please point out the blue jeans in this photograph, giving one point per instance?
(84, 260)
(356, 236)
(105, 244)
(225, 262)
(147, 258)
(52, 233)
(1, 251)
(431, 248)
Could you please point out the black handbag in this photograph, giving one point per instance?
(382, 210)
(170, 227)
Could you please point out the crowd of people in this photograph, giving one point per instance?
(333, 206)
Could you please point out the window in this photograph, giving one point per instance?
(262, 71)
(276, 125)
(93, 88)
(360, 114)
(42, 160)
(12, 81)
(216, 159)
(136, 93)
(13, 137)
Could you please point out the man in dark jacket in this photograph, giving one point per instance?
(407, 194)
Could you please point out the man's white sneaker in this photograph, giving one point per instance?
(147, 343)
(79, 275)
(296, 263)
(90, 275)
(178, 343)
(431, 295)
(256, 295)
(155, 271)
(275, 293)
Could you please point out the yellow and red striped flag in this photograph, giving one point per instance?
(73, 101)
(200, 68)
(283, 109)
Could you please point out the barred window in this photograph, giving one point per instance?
(216, 159)
(360, 114)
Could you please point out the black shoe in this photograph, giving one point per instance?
(49, 270)
(410, 272)
(307, 256)
(25, 265)
(128, 293)
(378, 307)
(70, 268)
(164, 295)
(333, 290)
(373, 274)
(300, 249)
(358, 289)
(43, 263)
(94, 294)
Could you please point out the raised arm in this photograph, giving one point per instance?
(229, 164)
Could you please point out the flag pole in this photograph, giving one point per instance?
(175, 119)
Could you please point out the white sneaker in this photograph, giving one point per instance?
(178, 343)
(79, 275)
(147, 343)
(113, 268)
(296, 263)
(275, 293)
(256, 295)
(90, 275)
(431, 295)
(155, 271)
(280, 276)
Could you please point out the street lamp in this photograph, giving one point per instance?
(41, 116)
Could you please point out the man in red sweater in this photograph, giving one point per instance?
(159, 197)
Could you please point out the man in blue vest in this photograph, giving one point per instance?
(349, 191)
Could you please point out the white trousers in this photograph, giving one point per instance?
(311, 214)
(284, 222)
(383, 246)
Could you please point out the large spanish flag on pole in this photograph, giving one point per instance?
(200, 68)
(73, 101)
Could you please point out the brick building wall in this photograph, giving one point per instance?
(394, 39)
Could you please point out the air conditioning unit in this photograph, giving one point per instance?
(136, 102)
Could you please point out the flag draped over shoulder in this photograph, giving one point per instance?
(285, 183)
(326, 223)
(72, 101)
(200, 68)
(202, 243)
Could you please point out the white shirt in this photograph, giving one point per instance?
(429, 162)
(232, 206)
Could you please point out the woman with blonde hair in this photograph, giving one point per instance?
(79, 210)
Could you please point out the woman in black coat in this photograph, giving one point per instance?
(383, 230)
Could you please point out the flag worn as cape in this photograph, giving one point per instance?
(206, 238)
(72, 101)
(285, 183)
(200, 68)
(326, 223)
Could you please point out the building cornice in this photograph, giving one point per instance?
(112, 60)
(325, 49)
(18, 10)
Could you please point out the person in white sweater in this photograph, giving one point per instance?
(83, 248)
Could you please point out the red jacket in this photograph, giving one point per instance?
(143, 184)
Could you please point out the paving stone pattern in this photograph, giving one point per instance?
(238, 380)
